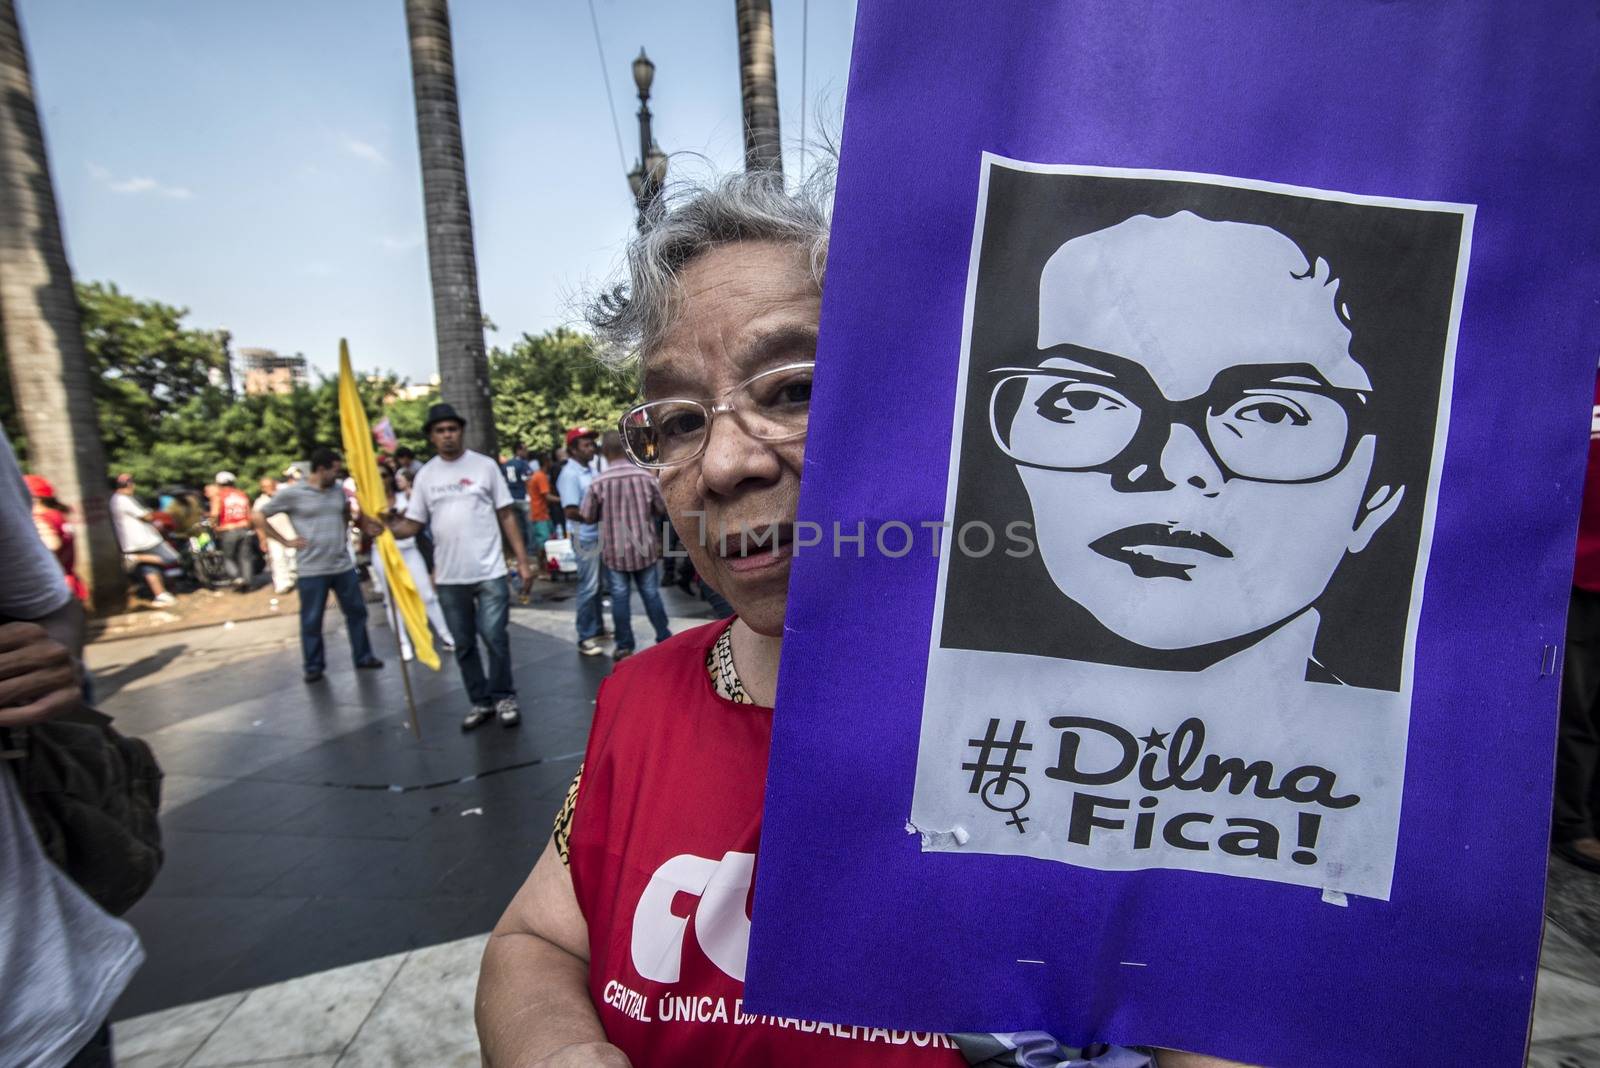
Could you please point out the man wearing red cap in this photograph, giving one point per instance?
(573, 485)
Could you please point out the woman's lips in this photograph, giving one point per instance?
(1157, 550)
(760, 549)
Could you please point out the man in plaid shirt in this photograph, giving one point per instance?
(626, 502)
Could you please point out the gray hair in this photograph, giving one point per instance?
(630, 317)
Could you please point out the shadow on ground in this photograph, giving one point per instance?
(306, 828)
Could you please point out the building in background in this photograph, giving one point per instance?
(267, 372)
(413, 390)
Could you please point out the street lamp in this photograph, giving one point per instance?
(649, 172)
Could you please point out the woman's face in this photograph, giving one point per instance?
(742, 308)
(1190, 431)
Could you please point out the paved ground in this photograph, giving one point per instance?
(196, 609)
(329, 878)
(305, 827)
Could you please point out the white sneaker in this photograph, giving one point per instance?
(477, 717)
(506, 708)
(164, 600)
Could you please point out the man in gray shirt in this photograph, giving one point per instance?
(321, 515)
(63, 959)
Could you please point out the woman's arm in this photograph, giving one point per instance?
(533, 1006)
(1171, 1058)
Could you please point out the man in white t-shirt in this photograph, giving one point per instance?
(144, 550)
(461, 496)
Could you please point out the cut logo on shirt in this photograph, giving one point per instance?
(721, 917)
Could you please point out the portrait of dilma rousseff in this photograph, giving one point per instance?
(1216, 406)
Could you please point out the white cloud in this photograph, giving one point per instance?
(319, 269)
(365, 150)
(138, 184)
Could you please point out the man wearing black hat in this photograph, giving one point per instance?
(462, 497)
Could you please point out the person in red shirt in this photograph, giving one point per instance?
(230, 514)
(55, 530)
(1577, 794)
(627, 943)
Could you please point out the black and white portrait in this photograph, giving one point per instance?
(1216, 408)
(1194, 460)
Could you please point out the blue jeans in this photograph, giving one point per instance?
(524, 524)
(481, 609)
(588, 554)
(346, 587)
(649, 582)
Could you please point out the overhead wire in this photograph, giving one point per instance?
(805, 40)
(611, 102)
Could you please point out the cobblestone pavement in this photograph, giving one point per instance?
(330, 879)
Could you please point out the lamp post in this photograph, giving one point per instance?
(649, 172)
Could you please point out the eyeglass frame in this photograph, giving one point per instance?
(712, 409)
(1190, 413)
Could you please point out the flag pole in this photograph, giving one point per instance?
(412, 720)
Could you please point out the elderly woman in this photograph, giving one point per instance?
(595, 961)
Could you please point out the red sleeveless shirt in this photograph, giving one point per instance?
(235, 510)
(663, 851)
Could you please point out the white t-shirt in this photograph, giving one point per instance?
(460, 501)
(135, 533)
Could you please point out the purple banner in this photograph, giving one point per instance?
(1172, 646)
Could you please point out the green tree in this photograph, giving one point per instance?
(144, 363)
(545, 384)
(252, 436)
(161, 394)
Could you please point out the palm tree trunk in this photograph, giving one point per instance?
(452, 263)
(758, 81)
(50, 373)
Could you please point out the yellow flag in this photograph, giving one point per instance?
(363, 465)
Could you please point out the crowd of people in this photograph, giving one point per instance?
(463, 521)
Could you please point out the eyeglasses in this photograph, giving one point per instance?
(1256, 425)
(774, 405)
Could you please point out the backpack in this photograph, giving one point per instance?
(92, 795)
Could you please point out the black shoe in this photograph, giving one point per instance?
(1568, 852)
(313, 676)
(372, 664)
(479, 715)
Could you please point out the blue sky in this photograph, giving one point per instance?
(257, 163)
